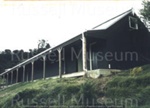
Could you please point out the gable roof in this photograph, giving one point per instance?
(111, 21)
(101, 26)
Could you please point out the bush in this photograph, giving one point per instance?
(26, 97)
(144, 96)
(135, 71)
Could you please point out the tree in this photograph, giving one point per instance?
(7, 51)
(43, 44)
(145, 12)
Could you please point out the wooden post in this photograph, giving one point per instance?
(84, 61)
(1, 78)
(11, 77)
(64, 60)
(59, 57)
(44, 63)
(7, 79)
(4, 80)
(90, 54)
(24, 73)
(27, 77)
(32, 76)
(16, 75)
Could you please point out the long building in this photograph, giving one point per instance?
(117, 44)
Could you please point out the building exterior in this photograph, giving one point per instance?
(119, 43)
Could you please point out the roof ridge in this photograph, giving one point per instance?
(130, 10)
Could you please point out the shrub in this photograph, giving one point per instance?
(135, 71)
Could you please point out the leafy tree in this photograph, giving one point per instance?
(10, 58)
(47, 45)
(145, 12)
(16, 51)
(8, 51)
(43, 44)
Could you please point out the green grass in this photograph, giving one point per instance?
(126, 86)
(130, 89)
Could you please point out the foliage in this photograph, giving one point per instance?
(136, 71)
(43, 44)
(10, 58)
(145, 12)
(135, 88)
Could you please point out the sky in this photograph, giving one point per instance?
(23, 23)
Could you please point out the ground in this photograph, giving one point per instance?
(127, 89)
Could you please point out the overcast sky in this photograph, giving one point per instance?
(23, 23)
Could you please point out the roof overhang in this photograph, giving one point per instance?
(40, 55)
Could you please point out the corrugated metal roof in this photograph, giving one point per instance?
(111, 21)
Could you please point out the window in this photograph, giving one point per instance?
(133, 23)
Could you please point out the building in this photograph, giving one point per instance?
(117, 44)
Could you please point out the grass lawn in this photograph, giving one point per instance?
(127, 89)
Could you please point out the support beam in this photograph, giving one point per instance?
(27, 77)
(3, 80)
(32, 76)
(64, 60)
(16, 75)
(44, 65)
(24, 69)
(59, 57)
(84, 55)
(11, 77)
(7, 79)
(90, 54)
